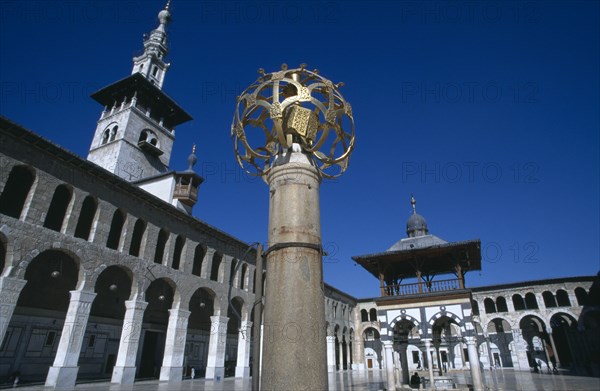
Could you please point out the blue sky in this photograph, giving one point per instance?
(487, 111)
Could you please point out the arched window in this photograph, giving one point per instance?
(475, 307)
(243, 277)
(531, 302)
(149, 136)
(154, 71)
(373, 315)
(116, 228)
(364, 315)
(179, 242)
(58, 208)
(198, 258)
(216, 264)
(105, 136)
(86, 218)
(136, 239)
(518, 302)
(581, 296)
(15, 191)
(160, 246)
(489, 305)
(501, 304)
(562, 298)
(549, 301)
(113, 133)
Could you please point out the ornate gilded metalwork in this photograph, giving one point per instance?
(293, 106)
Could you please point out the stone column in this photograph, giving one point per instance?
(404, 363)
(474, 364)
(172, 366)
(389, 364)
(554, 352)
(348, 355)
(10, 289)
(215, 366)
(330, 353)
(520, 349)
(341, 354)
(429, 360)
(489, 349)
(242, 367)
(295, 356)
(63, 373)
(124, 370)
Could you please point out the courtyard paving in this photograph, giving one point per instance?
(500, 380)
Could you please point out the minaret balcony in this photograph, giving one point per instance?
(150, 148)
(186, 193)
(420, 288)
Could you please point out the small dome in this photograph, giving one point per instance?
(416, 224)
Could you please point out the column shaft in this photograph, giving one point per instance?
(295, 356)
(124, 370)
(554, 351)
(389, 365)
(172, 366)
(63, 373)
(215, 367)
(330, 353)
(474, 364)
(242, 368)
(404, 363)
(429, 360)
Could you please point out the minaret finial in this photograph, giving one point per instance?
(168, 5)
(414, 203)
(192, 159)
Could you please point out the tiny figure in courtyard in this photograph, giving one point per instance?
(553, 360)
(415, 380)
(419, 365)
(193, 374)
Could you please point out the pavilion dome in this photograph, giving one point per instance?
(416, 224)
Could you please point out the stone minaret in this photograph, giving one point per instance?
(135, 133)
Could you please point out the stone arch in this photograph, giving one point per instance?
(216, 266)
(549, 299)
(373, 315)
(50, 276)
(504, 318)
(161, 244)
(87, 217)
(452, 316)
(501, 305)
(406, 317)
(364, 315)
(180, 243)
(562, 298)
(18, 190)
(489, 305)
(199, 253)
(581, 295)
(113, 287)
(57, 210)
(244, 275)
(139, 230)
(517, 322)
(116, 229)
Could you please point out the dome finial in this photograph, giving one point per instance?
(168, 5)
(414, 203)
(164, 16)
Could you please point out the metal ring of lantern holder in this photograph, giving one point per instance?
(289, 107)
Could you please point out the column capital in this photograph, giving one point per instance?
(83, 296)
(330, 338)
(136, 305)
(179, 312)
(387, 344)
(469, 340)
(218, 319)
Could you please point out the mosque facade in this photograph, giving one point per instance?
(105, 273)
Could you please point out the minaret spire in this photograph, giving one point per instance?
(414, 203)
(151, 63)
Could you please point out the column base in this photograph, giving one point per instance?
(171, 374)
(330, 368)
(123, 375)
(62, 377)
(215, 373)
(242, 372)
